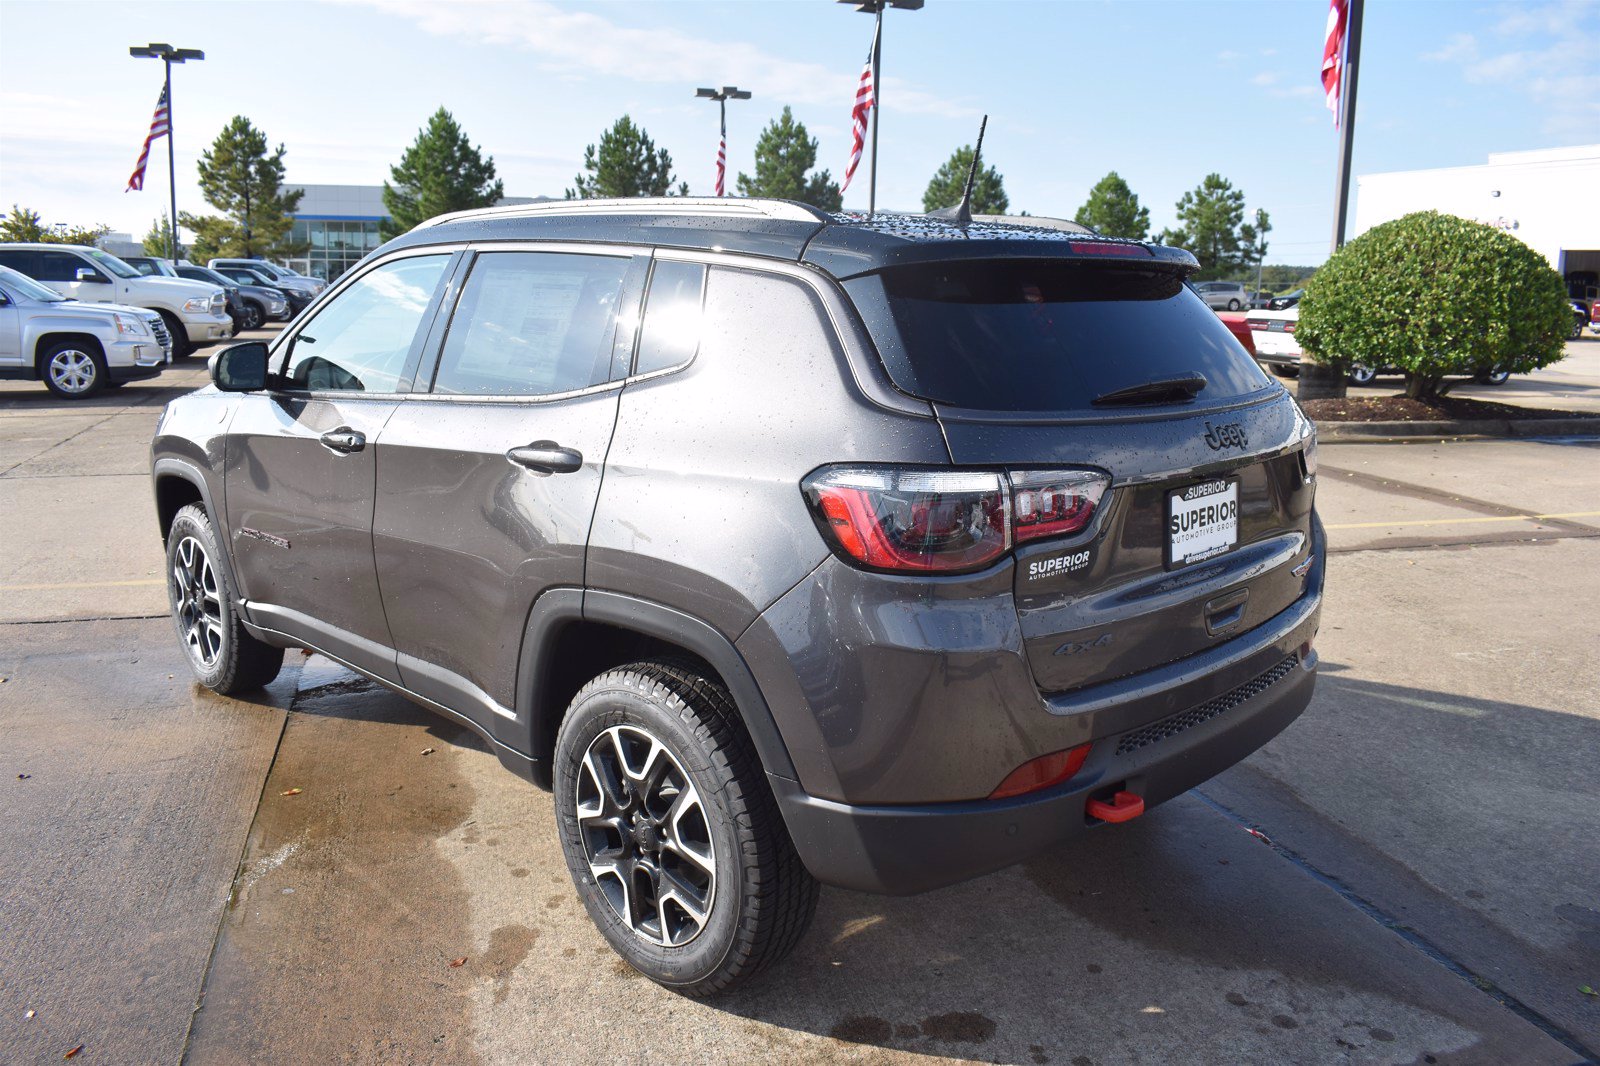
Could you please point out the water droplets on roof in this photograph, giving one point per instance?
(933, 228)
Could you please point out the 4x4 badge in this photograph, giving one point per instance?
(1230, 435)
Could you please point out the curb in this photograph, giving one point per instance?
(1373, 432)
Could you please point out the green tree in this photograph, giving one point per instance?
(442, 171)
(240, 178)
(159, 239)
(784, 153)
(950, 181)
(1113, 210)
(1435, 295)
(626, 163)
(1212, 226)
(22, 224)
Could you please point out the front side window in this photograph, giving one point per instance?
(361, 340)
(532, 324)
(110, 264)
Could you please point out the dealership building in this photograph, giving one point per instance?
(1550, 198)
(338, 224)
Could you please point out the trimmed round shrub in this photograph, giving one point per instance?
(1435, 296)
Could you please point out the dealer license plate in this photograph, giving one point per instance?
(1202, 521)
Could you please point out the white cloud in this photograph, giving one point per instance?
(1266, 77)
(582, 42)
(1549, 70)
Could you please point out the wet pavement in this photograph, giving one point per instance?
(1426, 891)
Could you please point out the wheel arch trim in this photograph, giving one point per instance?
(166, 468)
(561, 606)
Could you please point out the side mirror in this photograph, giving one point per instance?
(90, 274)
(241, 367)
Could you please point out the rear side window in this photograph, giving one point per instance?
(671, 333)
(1045, 335)
(22, 262)
(58, 266)
(532, 324)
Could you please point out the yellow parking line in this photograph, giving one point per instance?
(82, 585)
(1463, 521)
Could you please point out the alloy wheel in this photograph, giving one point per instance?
(73, 371)
(646, 836)
(197, 601)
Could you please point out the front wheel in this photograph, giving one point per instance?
(1493, 377)
(223, 655)
(1233, 305)
(1361, 375)
(1283, 371)
(181, 344)
(74, 370)
(253, 315)
(671, 833)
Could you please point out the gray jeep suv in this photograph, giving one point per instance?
(786, 547)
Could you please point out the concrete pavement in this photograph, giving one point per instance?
(1428, 896)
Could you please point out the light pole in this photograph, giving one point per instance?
(722, 96)
(875, 9)
(168, 56)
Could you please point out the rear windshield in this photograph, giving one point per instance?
(1046, 335)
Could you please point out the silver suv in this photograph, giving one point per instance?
(786, 547)
(1223, 295)
(75, 348)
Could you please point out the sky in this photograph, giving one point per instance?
(1162, 92)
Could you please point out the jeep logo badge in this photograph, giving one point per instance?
(1226, 436)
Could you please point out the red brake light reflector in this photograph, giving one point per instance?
(1096, 248)
(1043, 772)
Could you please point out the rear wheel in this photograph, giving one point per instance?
(1233, 305)
(222, 654)
(1493, 377)
(73, 369)
(1361, 375)
(1283, 371)
(671, 833)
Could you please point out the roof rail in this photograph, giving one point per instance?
(702, 206)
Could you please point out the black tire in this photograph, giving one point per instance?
(254, 315)
(181, 344)
(760, 899)
(1492, 377)
(1361, 375)
(224, 657)
(73, 369)
(1284, 371)
(1233, 305)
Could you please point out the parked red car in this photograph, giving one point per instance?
(1235, 321)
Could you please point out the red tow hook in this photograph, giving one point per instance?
(1124, 807)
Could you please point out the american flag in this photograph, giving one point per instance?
(1333, 53)
(866, 98)
(160, 126)
(722, 156)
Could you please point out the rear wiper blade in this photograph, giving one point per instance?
(1166, 390)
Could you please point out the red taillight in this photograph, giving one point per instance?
(1053, 503)
(1288, 327)
(1042, 772)
(946, 521)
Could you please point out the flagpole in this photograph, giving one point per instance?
(877, 106)
(722, 145)
(172, 166)
(1347, 121)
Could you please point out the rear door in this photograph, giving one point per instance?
(1037, 364)
(488, 476)
(301, 463)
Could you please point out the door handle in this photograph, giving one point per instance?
(344, 439)
(546, 457)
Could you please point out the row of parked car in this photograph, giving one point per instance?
(1233, 296)
(81, 319)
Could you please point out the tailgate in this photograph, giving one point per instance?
(1189, 549)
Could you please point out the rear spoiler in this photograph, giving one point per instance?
(1110, 251)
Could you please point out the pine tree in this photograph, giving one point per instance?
(1113, 210)
(159, 239)
(627, 163)
(950, 181)
(441, 171)
(1212, 226)
(242, 180)
(783, 155)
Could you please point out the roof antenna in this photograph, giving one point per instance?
(964, 212)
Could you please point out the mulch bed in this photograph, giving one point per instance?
(1405, 409)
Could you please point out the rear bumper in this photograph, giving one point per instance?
(1171, 729)
(904, 850)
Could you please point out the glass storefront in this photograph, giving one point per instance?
(333, 245)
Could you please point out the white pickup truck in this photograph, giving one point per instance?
(195, 312)
(75, 348)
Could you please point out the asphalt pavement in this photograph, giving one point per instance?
(327, 873)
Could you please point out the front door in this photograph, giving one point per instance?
(488, 482)
(301, 464)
